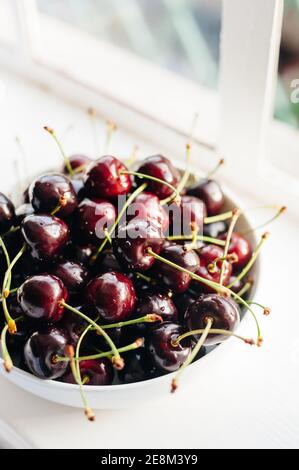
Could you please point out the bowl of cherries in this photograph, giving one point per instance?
(119, 281)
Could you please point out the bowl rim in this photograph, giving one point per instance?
(55, 384)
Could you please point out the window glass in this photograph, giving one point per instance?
(181, 35)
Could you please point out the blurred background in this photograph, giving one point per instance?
(181, 35)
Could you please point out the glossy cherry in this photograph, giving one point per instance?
(41, 350)
(210, 193)
(223, 311)
(73, 325)
(240, 246)
(7, 213)
(73, 275)
(147, 206)
(78, 163)
(93, 372)
(132, 242)
(191, 211)
(80, 253)
(105, 179)
(160, 304)
(160, 167)
(182, 302)
(40, 296)
(207, 255)
(112, 296)
(171, 277)
(165, 356)
(138, 367)
(22, 212)
(50, 191)
(107, 261)
(46, 235)
(215, 229)
(93, 217)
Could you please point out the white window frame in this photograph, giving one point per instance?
(167, 106)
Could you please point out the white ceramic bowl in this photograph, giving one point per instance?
(130, 395)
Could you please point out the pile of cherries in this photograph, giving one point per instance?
(97, 295)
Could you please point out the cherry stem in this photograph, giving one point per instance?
(130, 347)
(175, 195)
(7, 361)
(280, 211)
(111, 128)
(11, 230)
(231, 258)
(149, 318)
(245, 288)
(192, 355)
(93, 121)
(12, 327)
(203, 238)
(12, 291)
(145, 278)
(236, 214)
(184, 179)
(111, 230)
(64, 155)
(87, 410)
(62, 203)
(194, 230)
(6, 254)
(132, 159)
(266, 310)
(227, 215)
(214, 170)
(213, 331)
(252, 260)
(117, 361)
(214, 285)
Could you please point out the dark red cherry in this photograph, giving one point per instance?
(40, 297)
(112, 295)
(216, 229)
(73, 325)
(73, 275)
(147, 206)
(46, 235)
(223, 311)
(160, 167)
(238, 285)
(165, 356)
(78, 162)
(207, 255)
(138, 367)
(93, 217)
(172, 278)
(104, 178)
(7, 213)
(182, 302)
(93, 372)
(240, 246)
(41, 350)
(49, 191)
(210, 193)
(132, 242)
(191, 211)
(157, 303)
(80, 253)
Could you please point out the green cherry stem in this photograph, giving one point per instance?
(7, 277)
(12, 291)
(130, 347)
(149, 318)
(87, 410)
(117, 361)
(184, 179)
(245, 288)
(278, 214)
(266, 310)
(212, 331)
(236, 214)
(7, 362)
(62, 203)
(203, 238)
(227, 215)
(111, 230)
(252, 260)
(175, 195)
(64, 155)
(214, 285)
(145, 278)
(214, 170)
(6, 254)
(192, 355)
(111, 128)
